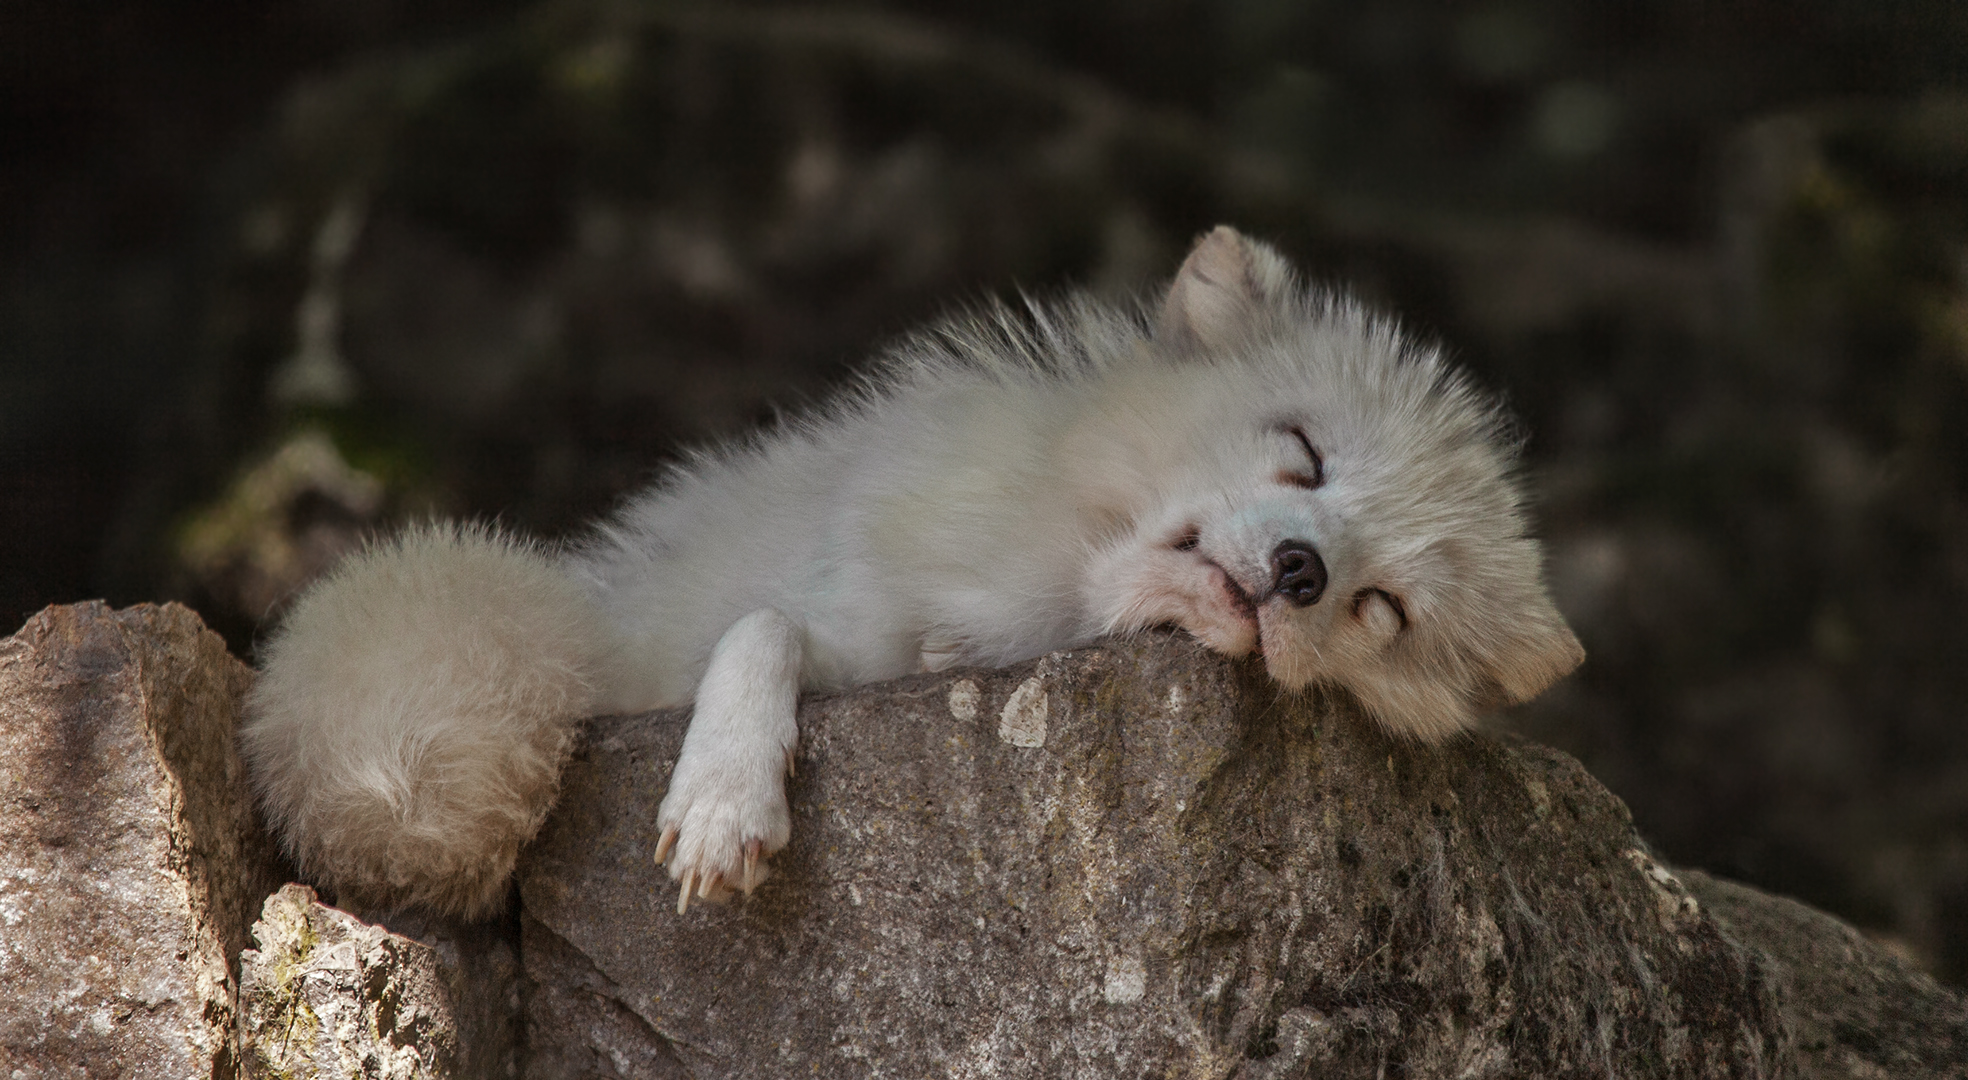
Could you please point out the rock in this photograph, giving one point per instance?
(130, 860)
(327, 995)
(478, 963)
(1853, 1008)
(1129, 860)
(1134, 860)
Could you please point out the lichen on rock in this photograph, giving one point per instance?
(329, 996)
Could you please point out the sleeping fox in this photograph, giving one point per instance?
(1268, 466)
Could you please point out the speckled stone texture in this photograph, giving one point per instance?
(1853, 1009)
(1136, 860)
(327, 995)
(130, 861)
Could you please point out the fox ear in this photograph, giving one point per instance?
(1540, 650)
(1225, 282)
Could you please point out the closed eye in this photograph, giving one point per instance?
(1393, 602)
(1312, 480)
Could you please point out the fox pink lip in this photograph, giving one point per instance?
(1239, 599)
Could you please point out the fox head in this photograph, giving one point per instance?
(1286, 473)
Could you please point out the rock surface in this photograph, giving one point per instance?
(130, 860)
(1130, 861)
(1853, 1009)
(1124, 861)
(478, 963)
(327, 995)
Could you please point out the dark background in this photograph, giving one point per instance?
(274, 274)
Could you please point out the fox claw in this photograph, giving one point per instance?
(720, 821)
(713, 882)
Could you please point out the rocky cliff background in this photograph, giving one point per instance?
(275, 274)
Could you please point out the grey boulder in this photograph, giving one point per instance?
(1134, 860)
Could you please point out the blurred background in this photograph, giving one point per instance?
(275, 274)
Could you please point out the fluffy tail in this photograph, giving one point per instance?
(408, 728)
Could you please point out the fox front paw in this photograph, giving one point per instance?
(719, 824)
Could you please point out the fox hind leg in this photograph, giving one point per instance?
(726, 807)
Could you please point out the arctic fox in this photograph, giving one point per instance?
(1270, 467)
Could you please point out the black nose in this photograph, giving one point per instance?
(1301, 574)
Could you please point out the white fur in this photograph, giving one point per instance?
(409, 725)
(728, 790)
(1009, 483)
